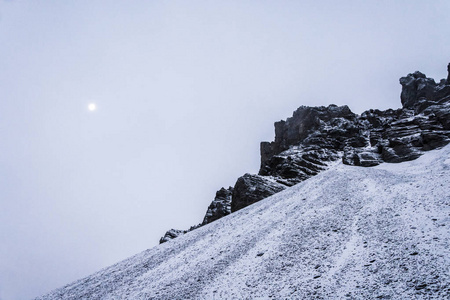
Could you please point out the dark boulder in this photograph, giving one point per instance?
(361, 157)
(420, 92)
(416, 86)
(220, 206)
(253, 188)
(171, 234)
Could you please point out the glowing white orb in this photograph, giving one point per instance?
(92, 106)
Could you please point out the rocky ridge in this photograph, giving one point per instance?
(307, 142)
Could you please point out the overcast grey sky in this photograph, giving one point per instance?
(185, 92)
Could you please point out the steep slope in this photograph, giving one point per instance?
(313, 137)
(347, 232)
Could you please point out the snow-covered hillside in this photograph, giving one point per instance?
(355, 232)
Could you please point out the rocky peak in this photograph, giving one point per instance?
(416, 86)
(306, 143)
(253, 188)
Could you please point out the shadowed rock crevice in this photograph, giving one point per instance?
(307, 142)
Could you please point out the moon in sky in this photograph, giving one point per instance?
(92, 106)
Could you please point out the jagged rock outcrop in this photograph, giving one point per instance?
(252, 188)
(367, 140)
(303, 128)
(307, 142)
(297, 164)
(220, 207)
(171, 234)
(419, 92)
(416, 86)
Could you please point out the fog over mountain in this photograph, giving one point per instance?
(185, 91)
(344, 205)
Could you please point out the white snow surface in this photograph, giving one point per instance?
(349, 232)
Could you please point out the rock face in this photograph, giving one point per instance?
(302, 128)
(419, 92)
(171, 234)
(252, 188)
(220, 207)
(307, 142)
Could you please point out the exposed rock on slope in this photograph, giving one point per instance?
(356, 233)
(171, 234)
(220, 207)
(252, 188)
(313, 137)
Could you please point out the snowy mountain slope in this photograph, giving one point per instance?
(305, 143)
(380, 232)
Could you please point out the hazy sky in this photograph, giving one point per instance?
(185, 92)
